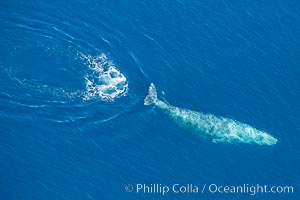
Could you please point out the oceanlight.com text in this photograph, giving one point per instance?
(249, 189)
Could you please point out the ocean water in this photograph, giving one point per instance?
(74, 75)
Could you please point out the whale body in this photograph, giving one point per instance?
(208, 126)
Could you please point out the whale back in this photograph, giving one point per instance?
(218, 129)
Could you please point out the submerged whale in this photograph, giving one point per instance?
(208, 126)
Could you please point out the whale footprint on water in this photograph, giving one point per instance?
(218, 129)
(103, 80)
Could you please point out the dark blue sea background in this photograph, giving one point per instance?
(74, 75)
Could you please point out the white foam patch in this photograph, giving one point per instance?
(103, 80)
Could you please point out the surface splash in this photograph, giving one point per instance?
(103, 79)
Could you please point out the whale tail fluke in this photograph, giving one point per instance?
(151, 98)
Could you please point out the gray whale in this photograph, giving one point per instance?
(209, 126)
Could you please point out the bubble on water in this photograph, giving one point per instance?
(103, 79)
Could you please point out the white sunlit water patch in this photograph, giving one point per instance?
(103, 79)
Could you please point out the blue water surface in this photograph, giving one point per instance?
(74, 75)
